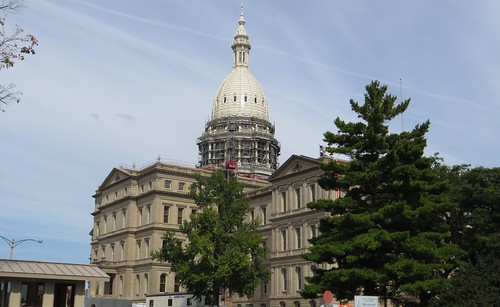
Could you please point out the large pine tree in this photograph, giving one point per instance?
(387, 236)
(221, 251)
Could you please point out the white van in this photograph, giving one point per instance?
(173, 300)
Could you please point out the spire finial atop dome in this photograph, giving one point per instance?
(241, 45)
(241, 21)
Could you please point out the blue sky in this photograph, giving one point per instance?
(121, 82)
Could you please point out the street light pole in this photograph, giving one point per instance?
(13, 243)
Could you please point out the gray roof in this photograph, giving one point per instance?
(50, 270)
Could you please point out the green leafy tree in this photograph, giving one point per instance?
(14, 45)
(477, 284)
(388, 235)
(477, 223)
(223, 252)
(476, 228)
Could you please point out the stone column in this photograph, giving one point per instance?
(48, 294)
(15, 294)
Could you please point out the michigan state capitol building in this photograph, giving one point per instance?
(135, 207)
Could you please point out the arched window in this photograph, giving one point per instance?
(146, 284)
(296, 304)
(163, 282)
(282, 304)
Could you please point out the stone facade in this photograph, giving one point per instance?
(135, 207)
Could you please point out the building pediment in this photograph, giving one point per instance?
(116, 175)
(294, 164)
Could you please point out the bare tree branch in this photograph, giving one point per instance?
(14, 45)
(12, 6)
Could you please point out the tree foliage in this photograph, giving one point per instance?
(476, 228)
(223, 251)
(388, 235)
(477, 224)
(14, 45)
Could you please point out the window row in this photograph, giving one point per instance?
(118, 252)
(260, 213)
(182, 213)
(145, 187)
(297, 240)
(299, 198)
(293, 281)
(118, 220)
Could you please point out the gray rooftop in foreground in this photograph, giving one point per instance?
(50, 270)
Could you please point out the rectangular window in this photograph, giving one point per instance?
(124, 218)
(169, 302)
(148, 215)
(179, 215)
(264, 216)
(150, 184)
(167, 184)
(299, 278)
(284, 274)
(189, 301)
(138, 250)
(181, 186)
(314, 231)
(177, 286)
(166, 211)
(122, 251)
(337, 193)
(298, 198)
(163, 282)
(312, 189)
(5, 289)
(298, 235)
(283, 201)
(284, 244)
(105, 226)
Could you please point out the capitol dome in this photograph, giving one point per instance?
(240, 94)
(239, 136)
